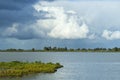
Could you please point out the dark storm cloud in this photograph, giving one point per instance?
(15, 4)
(8, 17)
(17, 11)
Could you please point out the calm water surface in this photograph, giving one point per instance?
(77, 66)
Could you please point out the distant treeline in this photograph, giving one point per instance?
(65, 49)
(115, 49)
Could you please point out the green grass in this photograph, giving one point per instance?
(19, 69)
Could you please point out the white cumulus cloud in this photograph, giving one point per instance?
(111, 35)
(63, 25)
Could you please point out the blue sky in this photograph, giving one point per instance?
(62, 23)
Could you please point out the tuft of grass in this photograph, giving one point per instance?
(19, 69)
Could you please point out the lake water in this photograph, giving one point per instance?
(77, 65)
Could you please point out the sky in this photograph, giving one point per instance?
(30, 24)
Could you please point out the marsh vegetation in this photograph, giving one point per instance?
(19, 69)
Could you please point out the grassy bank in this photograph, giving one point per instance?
(19, 69)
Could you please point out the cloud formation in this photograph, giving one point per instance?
(63, 24)
(57, 23)
(47, 19)
(111, 35)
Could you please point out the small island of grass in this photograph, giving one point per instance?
(19, 69)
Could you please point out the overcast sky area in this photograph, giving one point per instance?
(30, 24)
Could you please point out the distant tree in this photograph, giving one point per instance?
(71, 49)
(20, 50)
(109, 49)
(33, 49)
(104, 49)
(78, 49)
(115, 49)
(46, 48)
(83, 49)
(54, 49)
(66, 49)
(50, 48)
(11, 49)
